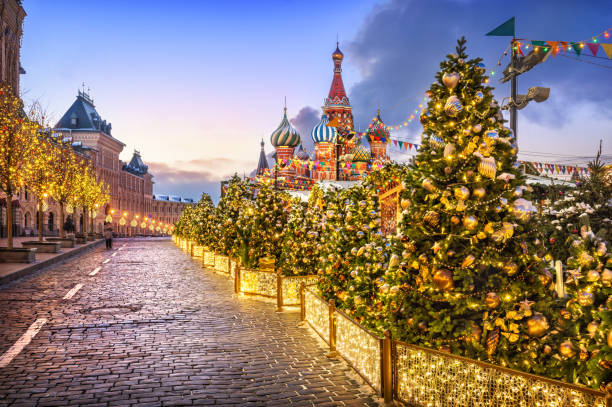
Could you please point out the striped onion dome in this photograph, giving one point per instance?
(285, 135)
(360, 153)
(324, 133)
(378, 130)
(302, 154)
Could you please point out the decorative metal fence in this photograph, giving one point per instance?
(222, 264)
(208, 259)
(420, 376)
(197, 251)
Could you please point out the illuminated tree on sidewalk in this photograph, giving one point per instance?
(18, 143)
(41, 177)
(67, 168)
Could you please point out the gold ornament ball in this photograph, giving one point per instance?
(592, 328)
(511, 268)
(492, 300)
(462, 193)
(477, 128)
(606, 277)
(566, 349)
(479, 192)
(470, 222)
(455, 220)
(481, 235)
(592, 275)
(443, 279)
(537, 325)
(448, 170)
(545, 277)
(585, 298)
(547, 349)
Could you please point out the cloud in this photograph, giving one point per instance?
(190, 178)
(304, 121)
(400, 45)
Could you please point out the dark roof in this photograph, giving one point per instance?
(136, 166)
(82, 115)
(173, 198)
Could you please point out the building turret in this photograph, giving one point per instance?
(324, 137)
(378, 136)
(262, 164)
(337, 106)
(284, 140)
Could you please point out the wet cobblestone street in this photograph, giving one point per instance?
(151, 327)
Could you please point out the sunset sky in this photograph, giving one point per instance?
(195, 85)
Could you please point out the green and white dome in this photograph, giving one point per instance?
(285, 135)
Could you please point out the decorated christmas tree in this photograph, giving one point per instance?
(236, 195)
(581, 344)
(471, 279)
(351, 255)
(204, 222)
(589, 205)
(300, 246)
(260, 225)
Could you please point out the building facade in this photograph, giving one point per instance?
(133, 209)
(11, 22)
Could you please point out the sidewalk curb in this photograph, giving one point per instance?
(34, 267)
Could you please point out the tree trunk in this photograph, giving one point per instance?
(61, 225)
(84, 225)
(40, 220)
(9, 220)
(91, 220)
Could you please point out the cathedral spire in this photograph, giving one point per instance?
(262, 165)
(337, 86)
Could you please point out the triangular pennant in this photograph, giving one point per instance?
(577, 48)
(506, 29)
(554, 47)
(405, 146)
(395, 142)
(593, 47)
(401, 144)
(563, 45)
(607, 49)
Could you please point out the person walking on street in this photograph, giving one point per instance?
(108, 235)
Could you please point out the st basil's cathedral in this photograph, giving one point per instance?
(338, 150)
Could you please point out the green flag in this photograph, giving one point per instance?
(504, 30)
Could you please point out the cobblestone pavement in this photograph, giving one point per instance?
(153, 328)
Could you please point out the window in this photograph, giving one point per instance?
(50, 222)
(26, 220)
(74, 121)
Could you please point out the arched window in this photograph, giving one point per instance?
(50, 222)
(81, 223)
(26, 220)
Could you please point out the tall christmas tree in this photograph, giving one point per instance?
(205, 231)
(471, 277)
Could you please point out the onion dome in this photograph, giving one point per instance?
(324, 133)
(285, 135)
(377, 131)
(337, 53)
(301, 154)
(360, 153)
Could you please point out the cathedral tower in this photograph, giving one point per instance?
(284, 140)
(337, 106)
